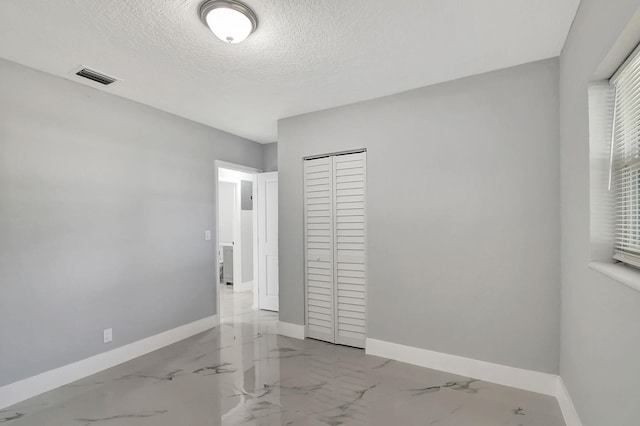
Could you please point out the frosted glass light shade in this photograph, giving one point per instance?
(230, 21)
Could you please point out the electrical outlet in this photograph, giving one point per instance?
(107, 335)
(207, 235)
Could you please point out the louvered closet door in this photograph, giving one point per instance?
(350, 244)
(318, 212)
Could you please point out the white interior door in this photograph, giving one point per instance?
(267, 210)
(335, 248)
(350, 245)
(318, 228)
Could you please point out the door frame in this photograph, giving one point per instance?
(218, 164)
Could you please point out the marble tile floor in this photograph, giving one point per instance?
(243, 373)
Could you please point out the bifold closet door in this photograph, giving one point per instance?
(349, 256)
(334, 197)
(319, 270)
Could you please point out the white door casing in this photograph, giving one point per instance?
(267, 212)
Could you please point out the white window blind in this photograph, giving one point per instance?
(625, 164)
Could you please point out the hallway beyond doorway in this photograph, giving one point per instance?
(239, 307)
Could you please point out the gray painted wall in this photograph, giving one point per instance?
(227, 200)
(600, 348)
(463, 213)
(103, 208)
(246, 222)
(246, 218)
(270, 157)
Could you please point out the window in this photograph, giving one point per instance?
(624, 179)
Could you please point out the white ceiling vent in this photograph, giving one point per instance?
(96, 76)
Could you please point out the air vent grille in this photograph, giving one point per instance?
(96, 76)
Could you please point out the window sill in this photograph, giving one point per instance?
(627, 275)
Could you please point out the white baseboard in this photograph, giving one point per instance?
(533, 381)
(245, 286)
(291, 330)
(24, 389)
(548, 384)
(566, 405)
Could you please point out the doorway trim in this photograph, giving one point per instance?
(218, 164)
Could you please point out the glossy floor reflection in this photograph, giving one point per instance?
(243, 373)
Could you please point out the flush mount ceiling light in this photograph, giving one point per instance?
(230, 20)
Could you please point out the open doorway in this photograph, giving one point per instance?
(246, 238)
(236, 239)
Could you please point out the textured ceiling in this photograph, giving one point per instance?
(305, 56)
